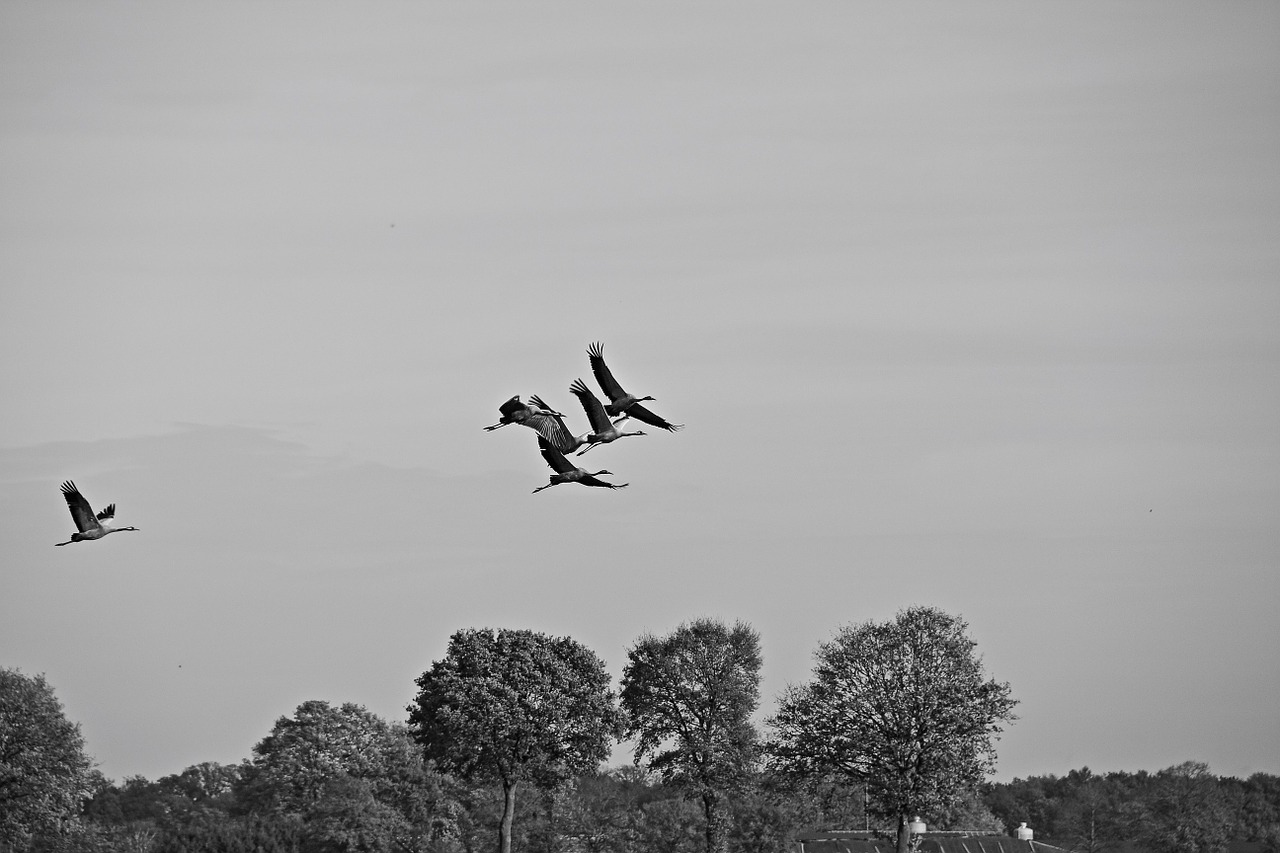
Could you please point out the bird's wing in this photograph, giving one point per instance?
(552, 429)
(542, 404)
(81, 512)
(554, 457)
(591, 405)
(640, 413)
(590, 480)
(108, 513)
(609, 385)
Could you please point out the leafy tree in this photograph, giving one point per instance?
(966, 811)
(45, 776)
(688, 698)
(768, 814)
(207, 780)
(1022, 800)
(602, 809)
(902, 706)
(355, 781)
(1081, 811)
(669, 825)
(509, 705)
(195, 811)
(211, 830)
(1255, 803)
(628, 810)
(1089, 817)
(1186, 812)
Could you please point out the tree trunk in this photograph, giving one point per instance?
(508, 812)
(713, 808)
(904, 834)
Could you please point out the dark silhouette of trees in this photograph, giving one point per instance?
(1254, 804)
(1180, 808)
(507, 706)
(903, 707)
(627, 809)
(45, 776)
(688, 698)
(1088, 813)
(1185, 812)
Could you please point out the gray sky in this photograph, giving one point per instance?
(969, 307)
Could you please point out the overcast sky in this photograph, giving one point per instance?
(974, 307)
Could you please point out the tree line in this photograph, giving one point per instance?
(1180, 809)
(503, 747)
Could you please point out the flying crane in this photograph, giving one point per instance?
(537, 416)
(603, 430)
(565, 471)
(620, 402)
(88, 525)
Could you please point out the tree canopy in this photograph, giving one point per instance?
(355, 781)
(1186, 812)
(688, 698)
(512, 705)
(902, 706)
(45, 776)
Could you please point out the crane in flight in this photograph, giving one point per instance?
(564, 471)
(603, 430)
(88, 525)
(620, 402)
(537, 416)
(558, 435)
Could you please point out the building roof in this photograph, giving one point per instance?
(859, 842)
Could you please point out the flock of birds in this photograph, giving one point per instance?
(554, 440)
(606, 420)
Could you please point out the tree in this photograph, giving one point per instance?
(1186, 812)
(355, 781)
(1256, 805)
(967, 812)
(902, 706)
(45, 775)
(512, 705)
(1088, 814)
(688, 698)
(207, 780)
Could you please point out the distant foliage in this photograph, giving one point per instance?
(1181, 809)
(326, 780)
(1185, 812)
